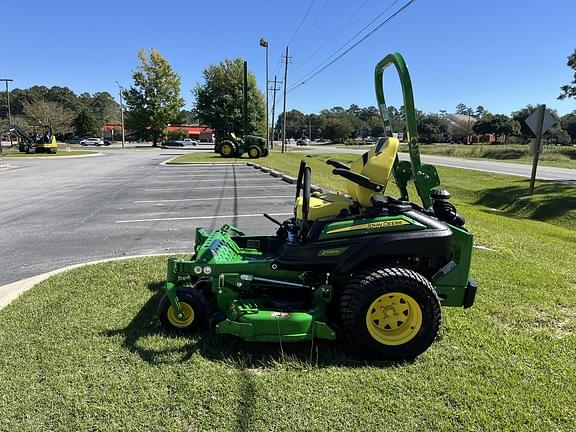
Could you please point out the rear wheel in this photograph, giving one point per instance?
(227, 149)
(194, 308)
(391, 313)
(254, 152)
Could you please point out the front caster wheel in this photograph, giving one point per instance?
(194, 312)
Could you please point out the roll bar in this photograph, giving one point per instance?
(425, 176)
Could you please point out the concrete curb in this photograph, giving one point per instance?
(288, 179)
(11, 291)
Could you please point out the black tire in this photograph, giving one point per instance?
(228, 149)
(406, 324)
(190, 299)
(254, 152)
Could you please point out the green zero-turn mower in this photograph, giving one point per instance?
(362, 266)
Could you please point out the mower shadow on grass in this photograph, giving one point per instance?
(239, 354)
(551, 200)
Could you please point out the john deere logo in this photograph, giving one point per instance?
(384, 224)
(332, 252)
(371, 226)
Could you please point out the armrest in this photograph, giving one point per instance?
(337, 164)
(359, 179)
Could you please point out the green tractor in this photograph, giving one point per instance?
(359, 266)
(232, 146)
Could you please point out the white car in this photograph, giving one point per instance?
(91, 141)
(189, 142)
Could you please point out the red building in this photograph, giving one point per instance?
(198, 132)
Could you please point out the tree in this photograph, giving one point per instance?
(569, 90)
(296, 124)
(497, 124)
(568, 123)
(338, 128)
(86, 124)
(105, 108)
(48, 113)
(219, 101)
(463, 109)
(432, 128)
(154, 100)
(480, 111)
(520, 116)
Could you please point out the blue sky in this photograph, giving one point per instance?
(500, 54)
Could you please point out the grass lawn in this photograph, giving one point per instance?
(84, 351)
(13, 153)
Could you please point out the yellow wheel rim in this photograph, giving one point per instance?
(394, 318)
(253, 152)
(187, 318)
(226, 149)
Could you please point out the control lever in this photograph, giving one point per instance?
(271, 219)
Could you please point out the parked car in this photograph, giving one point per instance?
(190, 141)
(301, 142)
(74, 140)
(91, 141)
(107, 142)
(173, 143)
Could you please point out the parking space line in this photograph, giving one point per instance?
(220, 187)
(213, 199)
(230, 216)
(211, 175)
(223, 180)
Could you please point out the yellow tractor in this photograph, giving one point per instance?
(44, 142)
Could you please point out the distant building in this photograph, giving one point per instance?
(198, 132)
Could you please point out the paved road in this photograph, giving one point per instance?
(564, 175)
(64, 211)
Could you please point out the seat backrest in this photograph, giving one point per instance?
(376, 164)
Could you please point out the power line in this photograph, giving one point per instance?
(331, 38)
(310, 28)
(358, 33)
(301, 22)
(295, 33)
(314, 74)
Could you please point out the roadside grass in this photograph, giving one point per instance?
(84, 351)
(14, 153)
(560, 156)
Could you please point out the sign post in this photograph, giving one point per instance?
(539, 122)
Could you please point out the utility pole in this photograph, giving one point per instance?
(310, 127)
(7, 80)
(121, 111)
(284, 110)
(274, 90)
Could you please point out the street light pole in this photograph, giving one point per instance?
(264, 43)
(6, 80)
(121, 111)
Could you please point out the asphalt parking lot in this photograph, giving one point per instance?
(55, 213)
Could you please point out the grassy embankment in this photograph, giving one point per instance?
(559, 156)
(83, 350)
